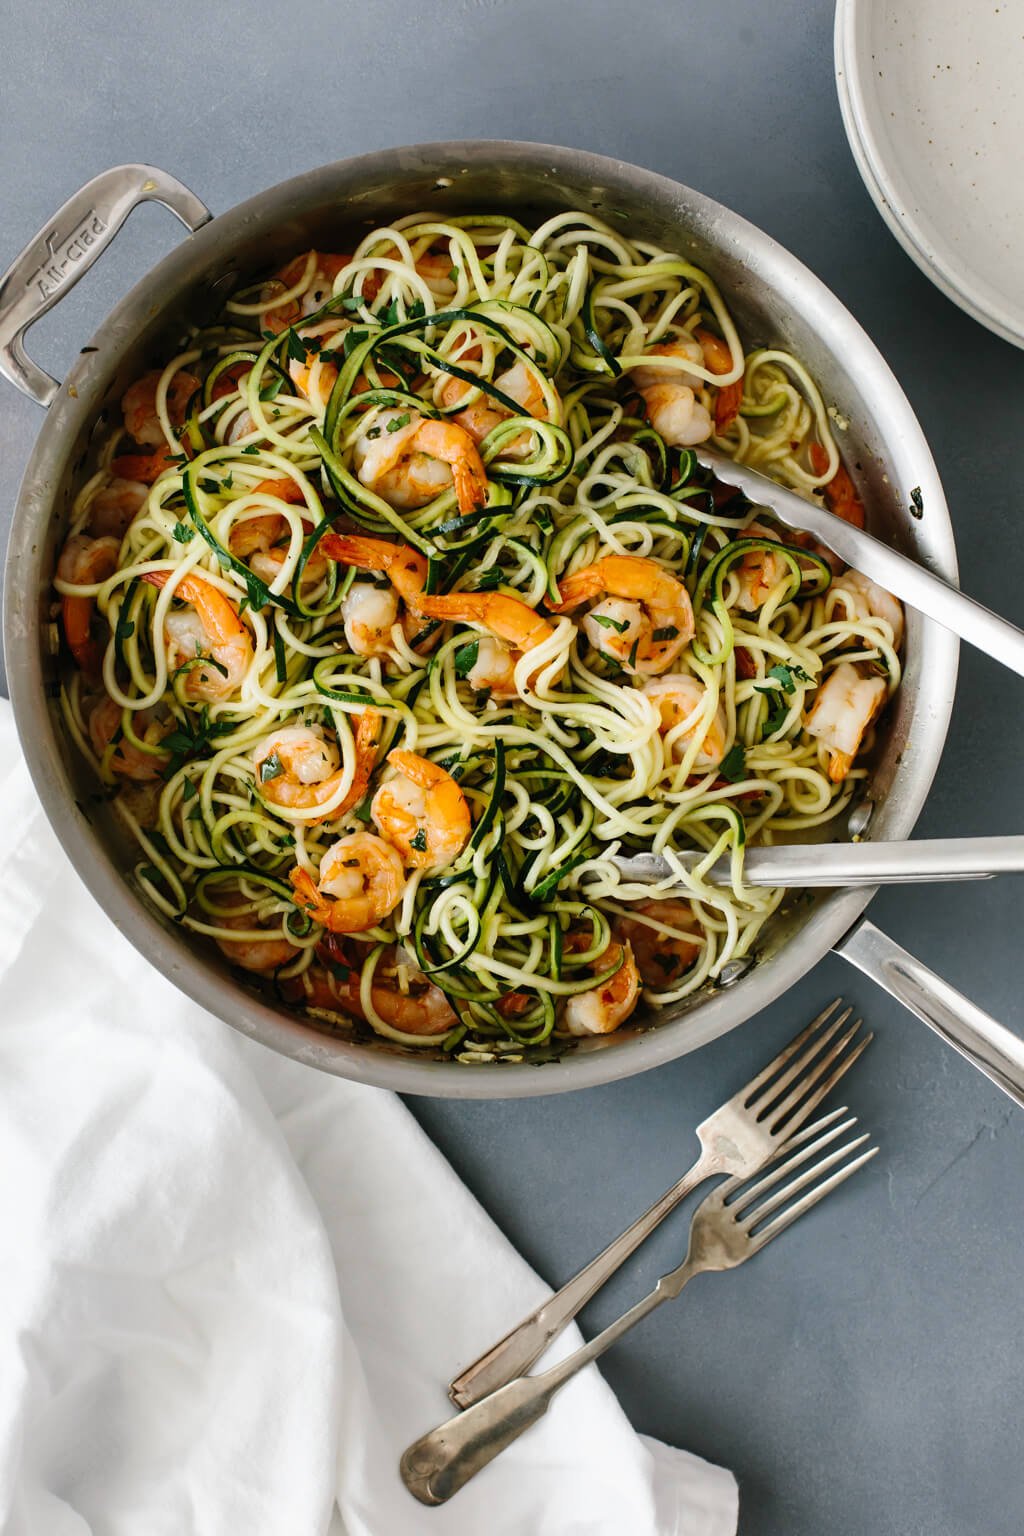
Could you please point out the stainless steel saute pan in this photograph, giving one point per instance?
(773, 297)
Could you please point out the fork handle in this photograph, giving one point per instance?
(443, 1460)
(524, 1343)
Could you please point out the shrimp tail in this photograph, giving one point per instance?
(367, 742)
(405, 566)
(147, 467)
(840, 494)
(719, 360)
(76, 617)
(220, 617)
(307, 898)
(506, 617)
(285, 489)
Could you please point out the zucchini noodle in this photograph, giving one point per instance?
(504, 418)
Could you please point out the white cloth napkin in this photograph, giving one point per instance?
(232, 1287)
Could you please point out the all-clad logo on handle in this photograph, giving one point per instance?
(64, 255)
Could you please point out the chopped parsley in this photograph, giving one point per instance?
(200, 659)
(182, 533)
(733, 766)
(606, 622)
(350, 341)
(419, 842)
(297, 348)
(466, 658)
(271, 768)
(189, 738)
(776, 717)
(785, 676)
(398, 422)
(668, 632)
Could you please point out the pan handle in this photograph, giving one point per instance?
(989, 1046)
(64, 250)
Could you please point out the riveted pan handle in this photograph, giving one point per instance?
(64, 250)
(991, 1047)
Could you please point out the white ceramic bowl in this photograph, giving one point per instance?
(932, 97)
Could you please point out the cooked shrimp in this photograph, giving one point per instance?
(846, 704)
(319, 287)
(417, 1008)
(361, 881)
(515, 626)
(115, 506)
(146, 468)
(759, 571)
(647, 618)
(863, 598)
(84, 562)
(369, 612)
(482, 415)
(494, 670)
(404, 566)
(213, 633)
(138, 406)
(603, 1008)
(258, 533)
(673, 409)
(661, 958)
(422, 812)
(261, 955)
(414, 459)
(298, 769)
(126, 761)
(679, 698)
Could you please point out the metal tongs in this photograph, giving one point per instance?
(843, 864)
(860, 863)
(919, 587)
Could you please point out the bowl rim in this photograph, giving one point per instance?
(889, 196)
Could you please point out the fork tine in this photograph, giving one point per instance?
(809, 1176)
(794, 1120)
(787, 1217)
(785, 1162)
(799, 1067)
(787, 1052)
(778, 1112)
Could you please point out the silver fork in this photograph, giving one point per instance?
(737, 1139)
(729, 1226)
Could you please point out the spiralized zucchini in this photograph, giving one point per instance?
(263, 432)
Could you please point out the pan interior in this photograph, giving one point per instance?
(773, 299)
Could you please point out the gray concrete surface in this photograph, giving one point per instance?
(865, 1375)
